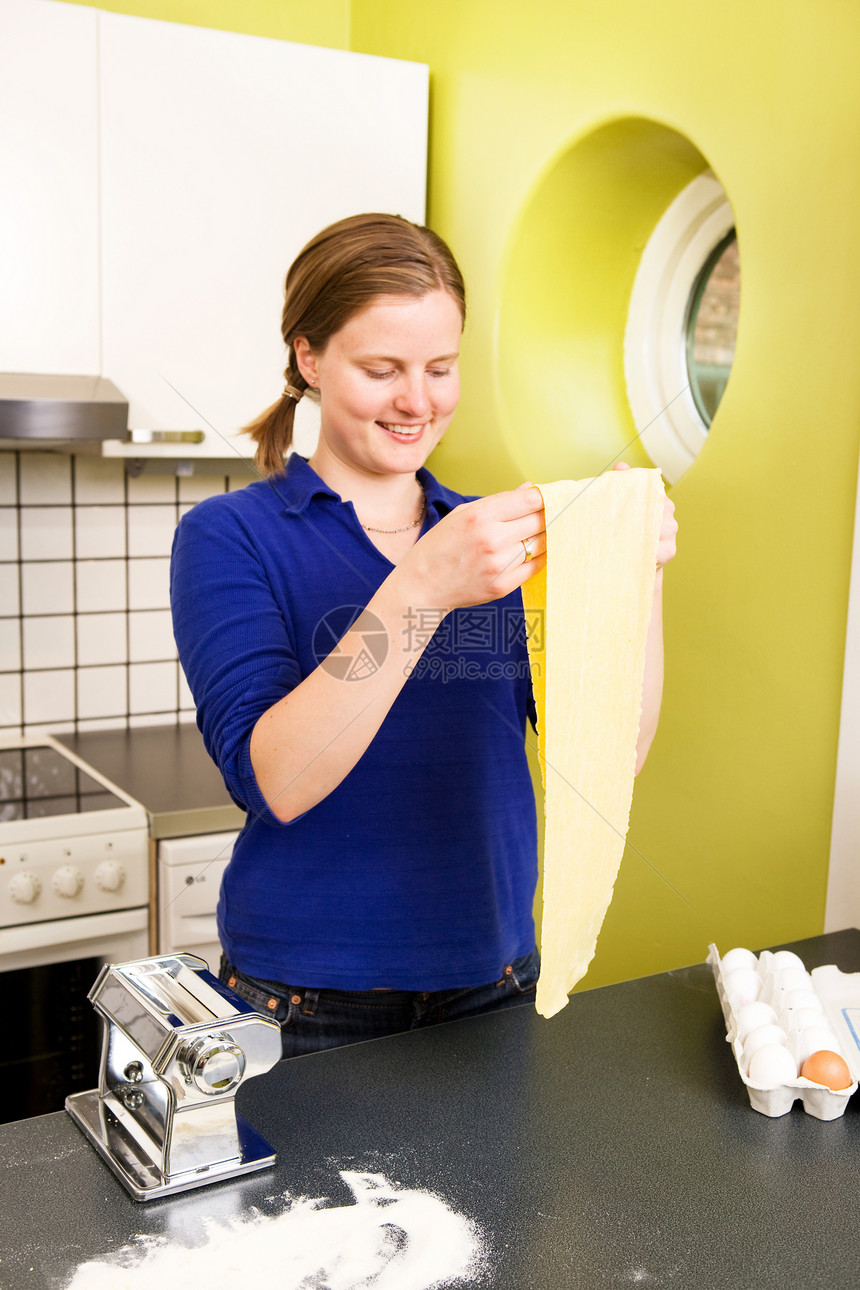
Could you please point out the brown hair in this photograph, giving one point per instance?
(340, 272)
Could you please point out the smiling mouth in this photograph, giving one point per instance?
(408, 432)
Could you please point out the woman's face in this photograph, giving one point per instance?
(389, 383)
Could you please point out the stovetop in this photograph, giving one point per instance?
(47, 792)
(39, 781)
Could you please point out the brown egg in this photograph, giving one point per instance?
(827, 1068)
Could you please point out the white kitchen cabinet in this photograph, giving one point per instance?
(49, 197)
(221, 155)
(190, 870)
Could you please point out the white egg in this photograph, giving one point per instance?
(792, 978)
(738, 958)
(812, 1040)
(803, 999)
(803, 1018)
(762, 1037)
(742, 986)
(786, 959)
(772, 1066)
(753, 1015)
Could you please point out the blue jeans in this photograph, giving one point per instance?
(312, 1020)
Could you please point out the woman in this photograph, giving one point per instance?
(352, 633)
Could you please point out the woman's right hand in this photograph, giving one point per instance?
(477, 552)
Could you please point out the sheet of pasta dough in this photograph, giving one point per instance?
(588, 613)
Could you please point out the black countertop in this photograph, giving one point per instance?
(611, 1146)
(165, 768)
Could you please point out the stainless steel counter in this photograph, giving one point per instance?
(166, 769)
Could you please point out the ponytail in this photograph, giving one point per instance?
(272, 430)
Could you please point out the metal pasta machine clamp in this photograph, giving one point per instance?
(176, 1045)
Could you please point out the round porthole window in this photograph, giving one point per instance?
(712, 326)
(682, 324)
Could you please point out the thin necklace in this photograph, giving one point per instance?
(368, 528)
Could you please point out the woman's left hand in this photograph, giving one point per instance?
(666, 545)
(652, 683)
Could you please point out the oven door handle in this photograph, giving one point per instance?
(71, 938)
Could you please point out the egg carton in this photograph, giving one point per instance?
(838, 997)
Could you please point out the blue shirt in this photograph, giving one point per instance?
(418, 871)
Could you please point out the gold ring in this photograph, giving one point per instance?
(527, 548)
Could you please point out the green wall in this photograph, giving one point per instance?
(307, 22)
(556, 141)
(558, 135)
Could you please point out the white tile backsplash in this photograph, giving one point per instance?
(151, 636)
(100, 584)
(194, 488)
(49, 697)
(48, 587)
(151, 488)
(9, 597)
(49, 642)
(46, 532)
(46, 477)
(102, 692)
(98, 481)
(8, 478)
(102, 638)
(86, 639)
(152, 687)
(10, 645)
(149, 584)
(10, 703)
(99, 531)
(8, 532)
(151, 529)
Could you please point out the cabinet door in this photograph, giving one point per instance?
(221, 155)
(49, 217)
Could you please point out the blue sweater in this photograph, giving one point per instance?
(418, 871)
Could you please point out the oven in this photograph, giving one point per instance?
(74, 894)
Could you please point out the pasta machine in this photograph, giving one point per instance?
(176, 1045)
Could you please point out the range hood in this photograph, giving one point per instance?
(60, 412)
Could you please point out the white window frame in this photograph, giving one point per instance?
(655, 360)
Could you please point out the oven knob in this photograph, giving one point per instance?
(67, 881)
(24, 888)
(109, 876)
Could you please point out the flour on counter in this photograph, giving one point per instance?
(390, 1239)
